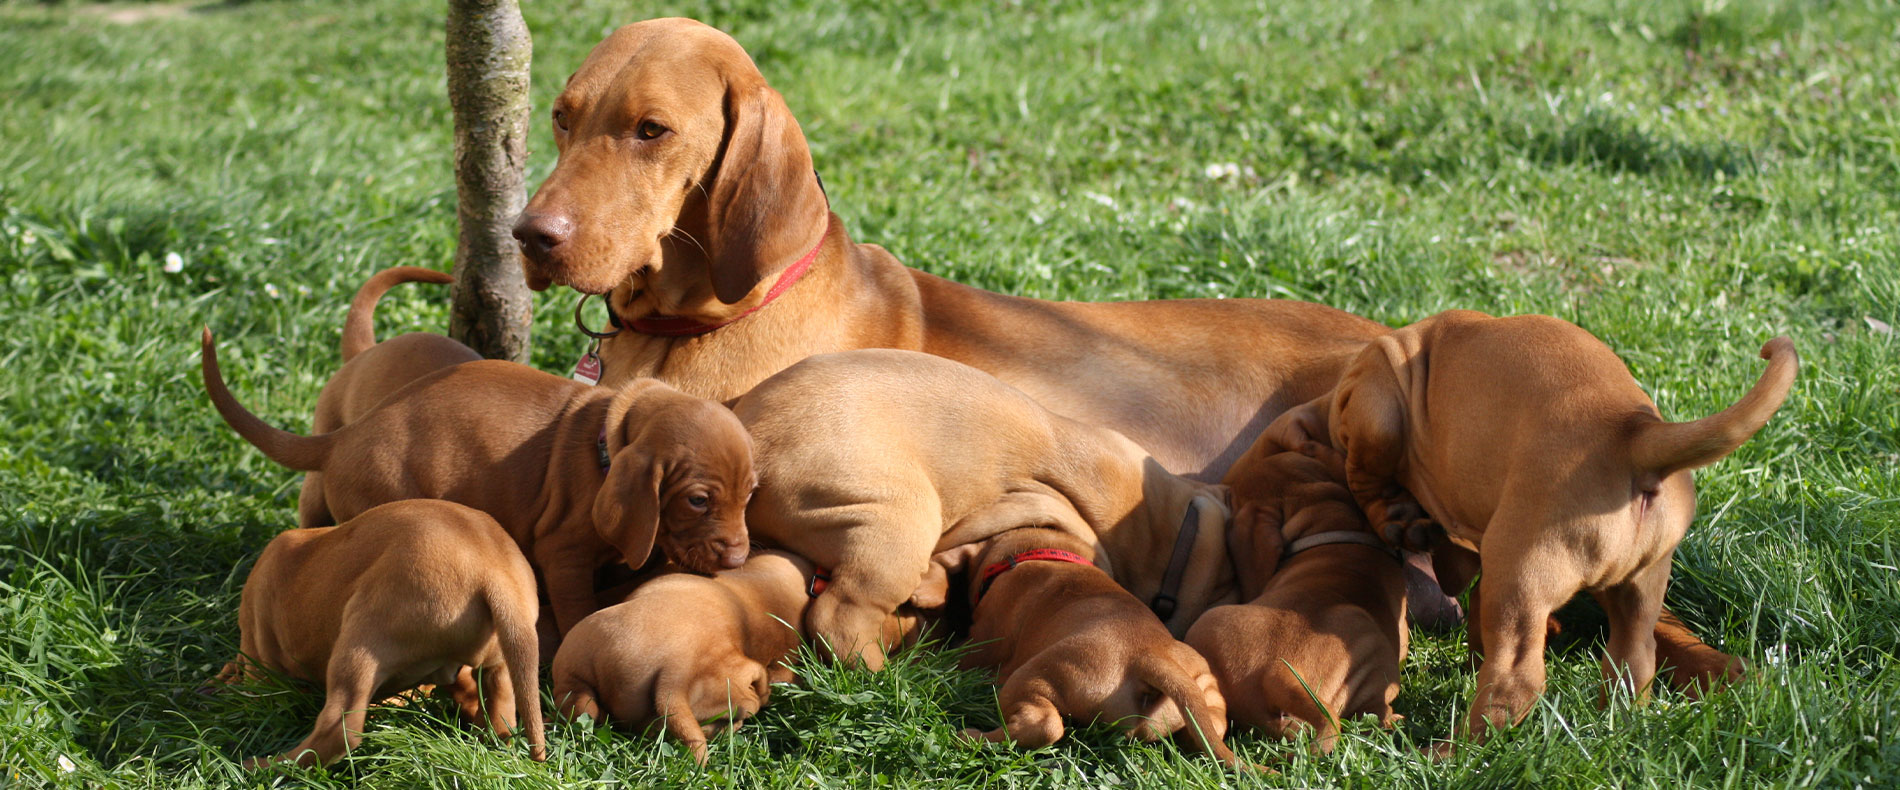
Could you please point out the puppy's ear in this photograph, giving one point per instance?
(1254, 544)
(627, 509)
(946, 567)
(764, 206)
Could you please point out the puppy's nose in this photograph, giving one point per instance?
(540, 234)
(735, 554)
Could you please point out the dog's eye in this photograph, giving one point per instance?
(697, 500)
(649, 130)
(560, 119)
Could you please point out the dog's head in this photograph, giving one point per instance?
(683, 177)
(680, 476)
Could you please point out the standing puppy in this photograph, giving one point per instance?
(690, 649)
(372, 371)
(872, 461)
(404, 594)
(1067, 641)
(1324, 630)
(1527, 440)
(578, 475)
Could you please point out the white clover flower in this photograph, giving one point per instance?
(174, 263)
(1226, 170)
(29, 237)
(303, 290)
(270, 290)
(1100, 198)
(66, 764)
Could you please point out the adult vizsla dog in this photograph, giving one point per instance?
(372, 371)
(685, 190)
(1067, 641)
(872, 461)
(1323, 632)
(693, 649)
(580, 476)
(404, 594)
(1527, 441)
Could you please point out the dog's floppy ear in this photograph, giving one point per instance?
(764, 206)
(1254, 545)
(627, 509)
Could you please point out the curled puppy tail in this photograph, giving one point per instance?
(359, 326)
(521, 648)
(1667, 447)
(306, 453)
(1199, 698)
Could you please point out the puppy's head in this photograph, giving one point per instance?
(680, 476)
(682, 176)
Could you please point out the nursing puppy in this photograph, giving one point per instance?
(1067, 641)
(692, 649)
(580, 476)
(1528, 444)
(372, 371)
(872, 461)
(405, 594)
(1325, 619)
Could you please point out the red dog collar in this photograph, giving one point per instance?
(1033, 555)
(820, 579)
(677, 326)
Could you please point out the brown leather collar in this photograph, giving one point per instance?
(1167, 600)
(1337, 536)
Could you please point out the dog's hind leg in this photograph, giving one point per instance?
(354, 674)
(1632, 608)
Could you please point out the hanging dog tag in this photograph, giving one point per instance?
(587, 370)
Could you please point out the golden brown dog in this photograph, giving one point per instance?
(1323, 632)
(1529, 442)
(405, 594)
(372, 371)
(686, 189)
(1067, 641)
(580, 476)
(872, 461)
(691, 649)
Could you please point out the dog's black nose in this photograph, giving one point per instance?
(540, 234)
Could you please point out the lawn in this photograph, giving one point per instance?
(1684, 179)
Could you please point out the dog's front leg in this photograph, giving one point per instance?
(568, 570)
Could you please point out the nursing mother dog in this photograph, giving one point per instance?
(685, 192)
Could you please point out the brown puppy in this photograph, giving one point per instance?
(1066, 640)
(1324, 630)
(690, 649)
(372, 370)
(685, 187)
(872, 461)
(405, 594)
(1529, 442)
(580, 476)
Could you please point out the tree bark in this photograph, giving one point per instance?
(488, 58)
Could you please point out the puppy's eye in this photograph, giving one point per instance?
(649, 130)
(697, 500)
(560, 119)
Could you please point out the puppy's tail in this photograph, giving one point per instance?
(521, 648)
(359, 327)
(1667, 447)
(1199, 698)
(297, 452)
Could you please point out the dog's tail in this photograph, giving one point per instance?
(1667, 447)
(359, 327)
(306, 453)
(521, 648)
(1199, 698)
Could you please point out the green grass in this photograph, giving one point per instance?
(1685, 179)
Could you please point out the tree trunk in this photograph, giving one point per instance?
(488, 56)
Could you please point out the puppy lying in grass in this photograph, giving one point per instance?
(373, 371)
(872, 461)
(1323, 632)
(1067, 641)
(405, 594)
(693, 649)
(579, 475)
(1522, 447)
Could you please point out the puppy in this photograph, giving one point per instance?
(1067, 641)
(872, 461)
(372, 370)
(1528, 445)
(579, 476)
(1323, 634)
(405, 594)
(691, 649)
